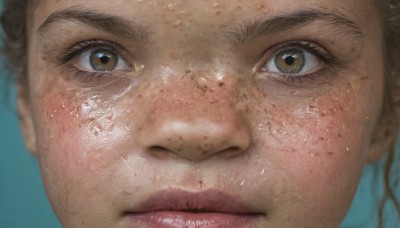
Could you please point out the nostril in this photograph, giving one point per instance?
(198, 140)
(159, 152)
(157, 148)
(207, 150)
(230, 152)
(162, 152)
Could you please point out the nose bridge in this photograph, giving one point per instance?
(194, 118)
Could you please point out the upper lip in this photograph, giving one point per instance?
(210, 201)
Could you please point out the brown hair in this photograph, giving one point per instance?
(15, 15)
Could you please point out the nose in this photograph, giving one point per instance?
(195, 126)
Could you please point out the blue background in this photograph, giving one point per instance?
(23, 202)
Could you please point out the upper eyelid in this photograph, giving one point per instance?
(83, 46)
(323, 54)
(320, 51)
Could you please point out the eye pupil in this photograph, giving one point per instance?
(103, 60)
(290, 61)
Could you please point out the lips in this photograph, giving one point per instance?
(177, 208)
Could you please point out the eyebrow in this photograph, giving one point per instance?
(108, 23)
(248, 30)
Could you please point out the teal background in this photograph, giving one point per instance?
(23, 202)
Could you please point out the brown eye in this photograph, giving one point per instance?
(290, 61)
(103, 60)
(294, 61)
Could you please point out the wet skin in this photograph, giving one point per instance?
(194, 106)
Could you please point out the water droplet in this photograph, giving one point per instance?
(178, 23)
(262, 171)
(242, 183)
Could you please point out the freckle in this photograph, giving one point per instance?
(329, 153)
(340, 135)
(363, 78)
(322, 138)
(205, 137)
(180, 138)
(218, 12)
(221, 84)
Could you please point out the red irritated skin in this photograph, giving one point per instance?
(202, 113)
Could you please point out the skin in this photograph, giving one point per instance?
(197, 113)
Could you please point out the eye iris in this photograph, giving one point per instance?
(103, 60)
(290, 62)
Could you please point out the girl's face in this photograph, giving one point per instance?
(203, 113)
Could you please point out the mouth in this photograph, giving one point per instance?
(177, 208)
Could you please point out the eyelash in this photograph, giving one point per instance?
(330, 62)
(77, 49)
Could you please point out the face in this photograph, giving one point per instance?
(203, 113)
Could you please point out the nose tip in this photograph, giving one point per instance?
(198, 140)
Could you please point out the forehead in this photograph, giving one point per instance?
(208, 11)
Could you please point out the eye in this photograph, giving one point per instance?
(101, 60)
(293, 62)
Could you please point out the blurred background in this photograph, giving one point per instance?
(23, 201)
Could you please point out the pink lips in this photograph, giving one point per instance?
(177, 208)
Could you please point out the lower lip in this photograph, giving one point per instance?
(167, 219)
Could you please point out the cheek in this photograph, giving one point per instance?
(79, 138)
(318, 145)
